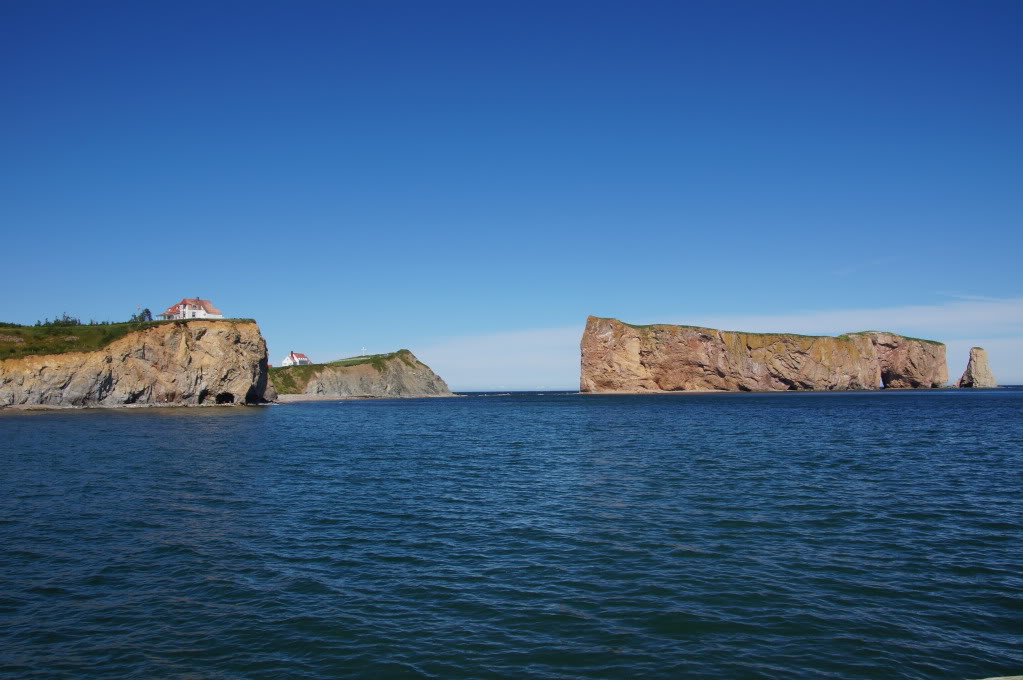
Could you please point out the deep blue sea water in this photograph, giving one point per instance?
(838, 535)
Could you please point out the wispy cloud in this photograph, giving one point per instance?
(548, 358)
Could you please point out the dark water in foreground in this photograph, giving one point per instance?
(856, 535)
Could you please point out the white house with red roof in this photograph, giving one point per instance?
(296, 359)
(192, 308)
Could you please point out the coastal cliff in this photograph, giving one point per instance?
(176, 363)
(908, 362)
(978, 373)
(619, 357)
(399, 374)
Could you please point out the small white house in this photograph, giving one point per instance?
(192, 308)
(296, 359)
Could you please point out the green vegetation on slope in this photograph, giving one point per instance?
(22, 341)
(904, 337)
(294, 379)
(376, 359)
(703, 328)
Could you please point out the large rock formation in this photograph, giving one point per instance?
(619, 357)
(399, 374)
(908, 362)
(977, 373)
(181, 363)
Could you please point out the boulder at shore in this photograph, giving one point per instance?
(620, 357)
(977, 373)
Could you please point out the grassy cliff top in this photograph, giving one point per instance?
(844, 336)
(22, 341)
(904, 337)
(376, 359)
(293, 379)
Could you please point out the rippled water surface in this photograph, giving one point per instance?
(854, 535)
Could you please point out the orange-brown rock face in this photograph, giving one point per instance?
(185, 363)
(618, 357)
(909, 362)
(977, 373)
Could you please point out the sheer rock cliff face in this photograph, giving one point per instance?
(908, 362)
(617, 357)
(397, 375)
(186, 363)
(978, 373)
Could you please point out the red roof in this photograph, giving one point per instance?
(193, 302)
(297, 355)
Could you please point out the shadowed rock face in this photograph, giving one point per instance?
(186, 363)
(617, 357)
(978, 373)
(398, 375)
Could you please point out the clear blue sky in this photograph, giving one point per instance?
(418, 174)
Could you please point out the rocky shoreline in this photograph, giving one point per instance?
(398, 374)
(221, 362)
(184, 363)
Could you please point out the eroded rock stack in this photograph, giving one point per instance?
(977, 373)
(183, 363)
(619, 357)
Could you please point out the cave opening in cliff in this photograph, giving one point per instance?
(225, 398)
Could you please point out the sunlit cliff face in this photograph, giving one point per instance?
(620, 357)
(194, 363)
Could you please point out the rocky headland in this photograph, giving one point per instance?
(620, 357)
(172, 363)
(978, 373)
(398, 374)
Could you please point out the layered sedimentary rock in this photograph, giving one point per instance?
(399, 374)
(619, 357)
(977, 373)
(908, 362)
(184, 363)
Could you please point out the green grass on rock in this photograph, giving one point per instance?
(294, 379)
(844, 336)
(22, 341)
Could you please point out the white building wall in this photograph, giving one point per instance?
(194, 313)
